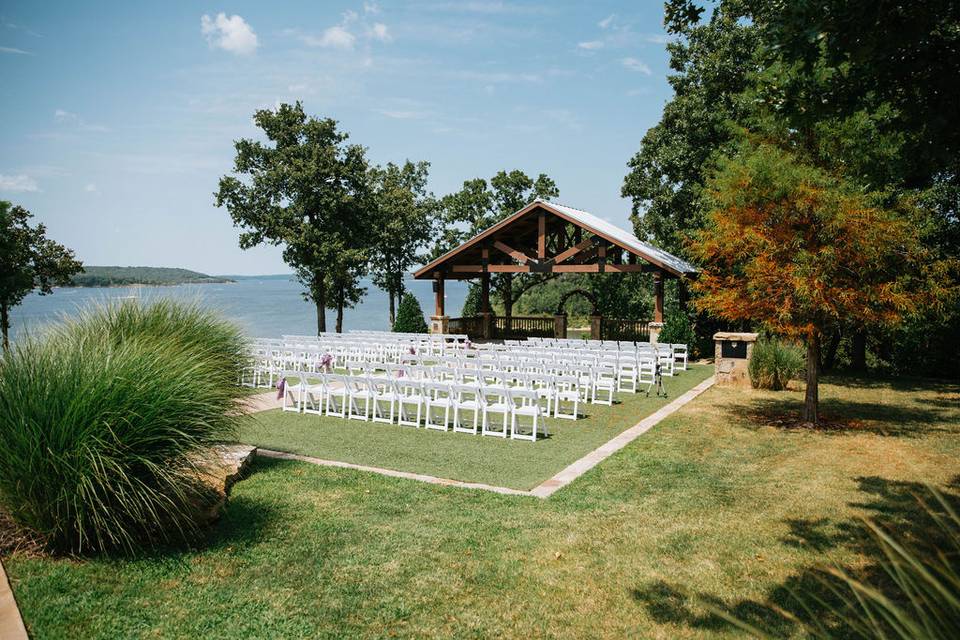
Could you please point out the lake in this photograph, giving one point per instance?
(264, 306)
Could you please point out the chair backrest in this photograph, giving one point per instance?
(524, 397)
(467, 393)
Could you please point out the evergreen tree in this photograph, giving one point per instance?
(410, 317)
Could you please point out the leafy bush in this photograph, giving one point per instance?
(472, 303)
(409, 316)
(103, 424)
(677, 330)
(774, 363)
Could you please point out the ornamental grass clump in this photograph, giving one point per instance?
(774, 363)
(105, 423)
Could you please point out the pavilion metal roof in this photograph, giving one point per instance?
(670, 263)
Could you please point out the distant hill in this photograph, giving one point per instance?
(126, 276)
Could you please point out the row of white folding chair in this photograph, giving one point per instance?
(416, 403)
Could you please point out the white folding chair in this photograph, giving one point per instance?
(410, 396)
(439, 396)
(358, 392)
(604, 384)
(567, 391)
(314, 394)
(466, 399)
(526, 403)
(292, 393)
(496, 402)
(383, 399)
(338, 395)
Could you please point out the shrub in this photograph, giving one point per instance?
(677, 330)
(409, 316)
(104, 421)
(774, 363)
(472, 303)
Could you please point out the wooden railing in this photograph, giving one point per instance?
(522, 327)
(472, 326)
(635, 330)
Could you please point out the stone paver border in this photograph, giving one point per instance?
(545, 489)
(11, 624)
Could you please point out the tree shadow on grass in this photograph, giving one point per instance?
(810, 599)
(898, 383)
(845, 417)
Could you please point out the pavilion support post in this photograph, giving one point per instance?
(485, 314)
(657, 325)
(560, 326)
(439, 321)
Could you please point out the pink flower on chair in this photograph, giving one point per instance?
(281, 385)
(327, 362)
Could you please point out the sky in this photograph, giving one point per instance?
(118, 119)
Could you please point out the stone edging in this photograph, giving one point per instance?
(11, 624)
(545, 489)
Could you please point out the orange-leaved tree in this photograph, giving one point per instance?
(797, 250)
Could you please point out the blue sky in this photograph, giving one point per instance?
(118, 118)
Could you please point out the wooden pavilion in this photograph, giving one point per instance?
(545, 237)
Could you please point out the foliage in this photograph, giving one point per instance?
(410, 316)
(667, 175)
(309, 192)
(796, 249)
(774, 363)
(125, 276)
(677, 329)
(618, 295)
(856, 88)
(28, 260)
(103, 423)
(473, 302)
(404, 223)
(478, 205)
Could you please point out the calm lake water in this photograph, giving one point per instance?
(267, 306)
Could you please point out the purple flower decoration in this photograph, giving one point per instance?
(281, 385)
(327, 361)
(413, 350)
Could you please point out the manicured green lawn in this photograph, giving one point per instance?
(714, 505)
(510, 463)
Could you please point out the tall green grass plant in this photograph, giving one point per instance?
(104, 420)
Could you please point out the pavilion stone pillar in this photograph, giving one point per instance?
(596, 327)
(439, 321)
(657, 325)
(560, 325)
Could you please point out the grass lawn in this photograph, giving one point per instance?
(715, 504)
(510, 463)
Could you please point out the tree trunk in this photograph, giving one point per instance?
(812, 399)
(830, 357)
(340, 311)
(859, 351)
(5, 325)
(393, 317)
(320, 298)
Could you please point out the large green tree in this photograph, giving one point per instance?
(28, 260)
(479, 205)
(404, 224)
(308, 191)
(858, 88)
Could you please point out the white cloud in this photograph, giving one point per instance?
(606, 22)
(18, 183)
(336, 37)
(15, 51)
(379, 32)
(591, 45)
(231, 34)
(371, 7)
(91, 188)
(658, 38)
(637, 65)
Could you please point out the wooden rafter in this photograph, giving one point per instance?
(517, 255)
